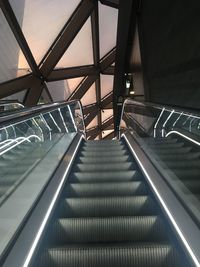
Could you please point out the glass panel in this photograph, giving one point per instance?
(59, 90)
(106, 84)
(171, 139)
(93, 123)
(108, 17)
(13, 63)
(30, 151)
(89, 97)
(106, 113)
(41, 21)
(80, 52)
(73, 83)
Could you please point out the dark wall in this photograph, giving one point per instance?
(169, 33)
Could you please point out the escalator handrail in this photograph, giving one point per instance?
(26, 113)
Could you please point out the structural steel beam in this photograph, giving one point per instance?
(108, 60)
(90, 109)
(109, 71)
(68, 34)
(16, 29)
(83, 87)
(90, 117)
(107, 100)
(111, 3)
(34, 93)
(68, 73)
(17, 85)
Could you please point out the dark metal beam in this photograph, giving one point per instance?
(68, 73)
(16, 29)
(107, 100)
(83, 87)
(124, 20)
(90, 117)
(108, 60)
(33, 95)
(90, 109)
(17, 85)
(111, 3)
(109, 71)
(68, 34)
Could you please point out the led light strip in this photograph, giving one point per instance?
(155, 126)
(187, 246)
(184, 136)
(70, 112)
(46, 217)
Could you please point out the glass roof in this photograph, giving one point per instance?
(59, 90)
(80, 51)
(90, 96)
(106, 113)
(108, 17)
(13, 63)
(93, 123)
(73, 83)
(106, 84)
(107, 132)
(41, 21)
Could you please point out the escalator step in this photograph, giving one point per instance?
(168, 146)
(169, 151)
(183, 164)
(187, 174)
(120, 176)
(108, 154)
(113, 229)
(103, 159)
(107, 206)
(188, 156)
(106, 189)
(105, 167)
(102, 148)
(149, 255)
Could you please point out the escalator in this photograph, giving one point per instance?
(107, 216)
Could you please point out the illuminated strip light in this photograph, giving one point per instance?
(39, 128)
(72, 117)
(46, 217)
(20, 142)
(50, 136)
(191, 253)
(163, 130)
(63, 121)
(14, 141)
(186, 119)
(177, 119)
(190, 127)
(155, 126)
(184, 136)
(55, 122)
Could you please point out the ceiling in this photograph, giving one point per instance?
(54, 52)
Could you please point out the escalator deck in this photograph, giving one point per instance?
(107, 216)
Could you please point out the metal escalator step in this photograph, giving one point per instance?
(102, 142)
(169, 151)
(149, 255)
(103, 159)
(106, 189)
(188, 156)
(108, 206)
(161, 141)
(193, 185)
(113, 229)
(105, 167)
(183, 164)
(108, 154)
(102, 148)
(168, 146)
(116, 176)
(187, 174)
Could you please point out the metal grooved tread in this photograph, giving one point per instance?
(107, 217)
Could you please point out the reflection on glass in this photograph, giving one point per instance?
(171, 139)
(33, 136)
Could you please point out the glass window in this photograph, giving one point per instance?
(59, 90)
(79, 52)
(106, 84)
(13, 63)
(73, 83)
(106, 113)
(107, 132)
(108, 17)
(90, 96)
(41, 21)
(93, 123)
